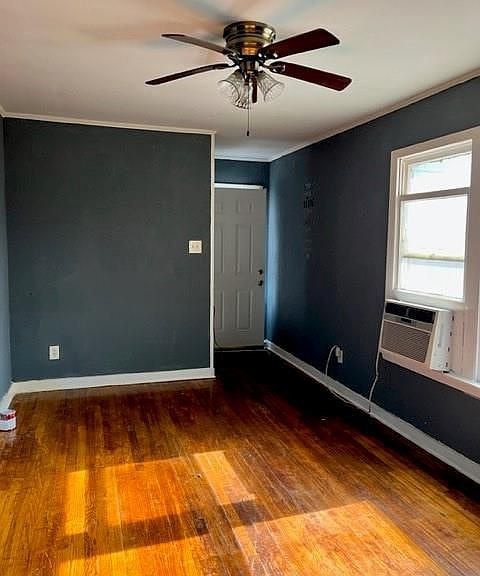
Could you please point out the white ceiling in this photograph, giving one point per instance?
(88, 59)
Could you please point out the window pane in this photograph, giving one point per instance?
(432, 246)
(445, 173)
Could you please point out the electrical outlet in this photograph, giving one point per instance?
(194, 246)
(339, 355)
(54, 352)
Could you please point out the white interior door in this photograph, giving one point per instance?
(239, 285)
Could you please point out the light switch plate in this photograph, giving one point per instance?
(54, 352)
(194, 246)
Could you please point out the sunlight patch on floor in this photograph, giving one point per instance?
(152, 489)
(170, 558)
(222, 478)
(351, 540)
(75, 502)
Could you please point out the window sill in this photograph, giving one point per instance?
(428, 300)
(470, 387)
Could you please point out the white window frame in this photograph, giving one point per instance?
(465, 344)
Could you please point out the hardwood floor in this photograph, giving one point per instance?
(258, 473)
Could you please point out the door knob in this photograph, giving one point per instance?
(260, 282)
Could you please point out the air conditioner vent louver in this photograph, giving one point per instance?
(417, 333)
(405, 341)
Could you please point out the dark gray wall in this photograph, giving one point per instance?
(328, 207)
(5, 375)
(239, 172)
(99, 221)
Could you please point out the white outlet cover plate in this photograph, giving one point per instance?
(194, 246)
(54, 352)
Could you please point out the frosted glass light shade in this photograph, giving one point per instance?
(235, 90)
(269, 87)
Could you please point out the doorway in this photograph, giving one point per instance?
(239, 265)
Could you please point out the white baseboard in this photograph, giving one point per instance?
(103, 380)
(441, 451)
(7, 398)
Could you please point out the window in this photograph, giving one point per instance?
(433, 201)
(434, 235)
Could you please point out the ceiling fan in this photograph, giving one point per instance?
(250, 46)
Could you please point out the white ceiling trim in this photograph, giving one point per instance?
(382, 112)
(91, 60)
(242, 158)
(126, 125)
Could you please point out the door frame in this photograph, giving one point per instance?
(212, 256)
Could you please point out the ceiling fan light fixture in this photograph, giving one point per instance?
(269, 86)
(238, 92)
(249, 45)
(243, 101)
(234, 89)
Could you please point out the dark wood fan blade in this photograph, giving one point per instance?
(170, 77)
(198, 42)
(312, 40)
(320, 77)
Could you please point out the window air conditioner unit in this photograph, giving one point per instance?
(416, 332)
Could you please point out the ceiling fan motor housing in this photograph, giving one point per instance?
(247, 38)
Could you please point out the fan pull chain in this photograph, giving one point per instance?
(248, 112)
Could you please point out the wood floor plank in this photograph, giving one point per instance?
(256, 474)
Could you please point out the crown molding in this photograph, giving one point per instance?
(239, 158)
(125, 125)
(382, 112)
(242, 158)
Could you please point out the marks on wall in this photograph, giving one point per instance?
(310, 204)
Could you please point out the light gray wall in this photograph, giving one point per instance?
(99, 221)
(5, 373)
(328, 208)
